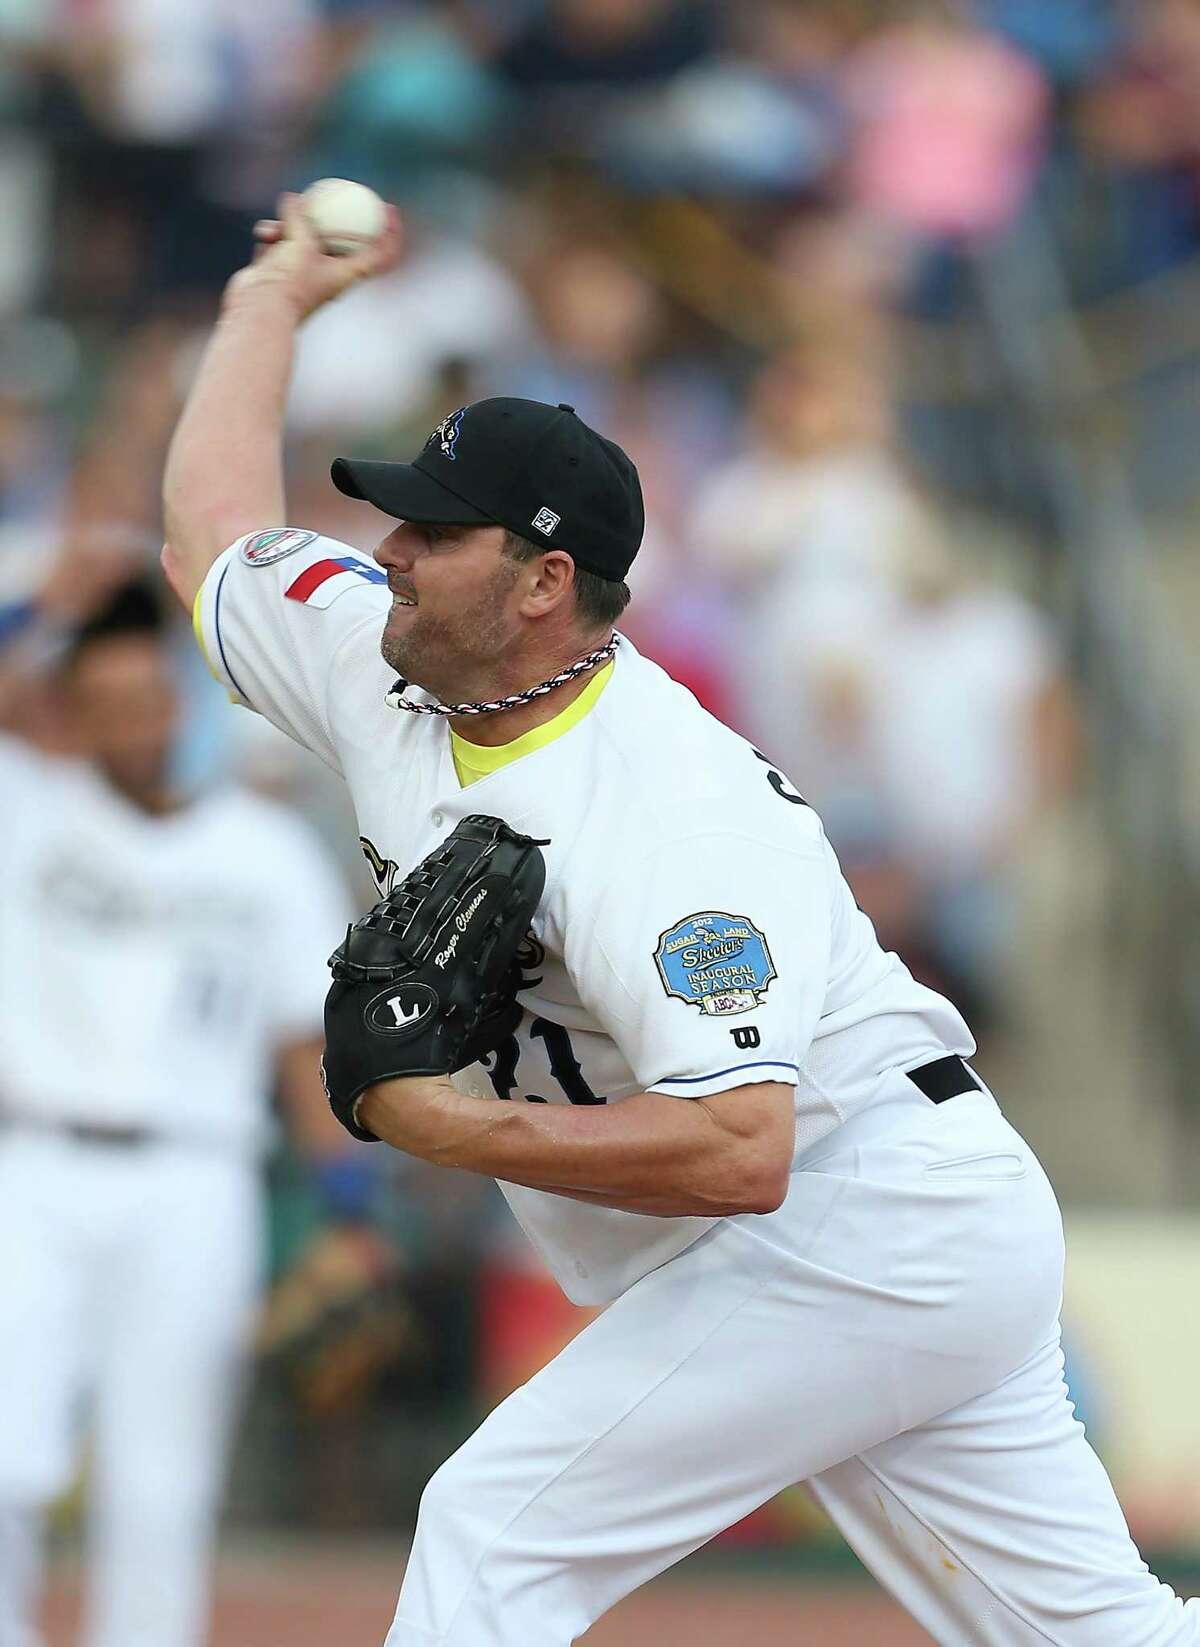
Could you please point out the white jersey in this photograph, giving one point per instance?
(695, 933)
(150, 967)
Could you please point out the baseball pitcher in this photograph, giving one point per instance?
(710, 1098)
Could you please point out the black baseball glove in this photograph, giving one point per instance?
(426, 983)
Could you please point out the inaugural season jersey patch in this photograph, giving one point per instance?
(719, 963)
(265, 548)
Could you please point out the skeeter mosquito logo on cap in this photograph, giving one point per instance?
(447, 432)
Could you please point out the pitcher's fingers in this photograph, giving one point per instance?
(268, 230)
(296, 222)
(385, 253)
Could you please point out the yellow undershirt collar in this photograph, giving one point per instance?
(473, 761)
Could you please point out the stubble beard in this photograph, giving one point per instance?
(455, 658)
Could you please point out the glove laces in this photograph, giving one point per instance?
(397, 700)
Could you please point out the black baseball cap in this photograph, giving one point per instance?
(536, 469)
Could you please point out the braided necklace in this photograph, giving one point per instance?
(593, 660)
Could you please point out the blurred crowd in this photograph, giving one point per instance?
(716, 230)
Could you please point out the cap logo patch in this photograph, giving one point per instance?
(546, 520)
(447, 432)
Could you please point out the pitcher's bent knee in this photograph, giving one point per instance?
(478, 1572)
(457, 1522)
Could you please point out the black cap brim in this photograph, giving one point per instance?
(403, 490)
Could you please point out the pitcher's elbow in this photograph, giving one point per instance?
(766, 1198)
(175, 572)
(766, 1185)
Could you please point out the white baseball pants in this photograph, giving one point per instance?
(128, 1278)
(889, 1336)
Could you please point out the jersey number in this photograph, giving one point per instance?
(564, 1066)
(778, 783)
(384, 871)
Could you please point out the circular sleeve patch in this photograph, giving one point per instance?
(265, 548)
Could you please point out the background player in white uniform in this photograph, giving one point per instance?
(830, 1258)
(158, 955)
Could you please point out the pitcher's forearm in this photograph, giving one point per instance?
(224, 473)
(671, 1157)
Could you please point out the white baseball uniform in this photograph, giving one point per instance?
(890, 1334)
(150, 967)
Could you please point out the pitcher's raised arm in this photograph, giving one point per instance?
(224, 472)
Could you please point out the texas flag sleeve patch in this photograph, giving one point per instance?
(321, 583)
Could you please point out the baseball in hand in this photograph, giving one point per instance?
(348, 217)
